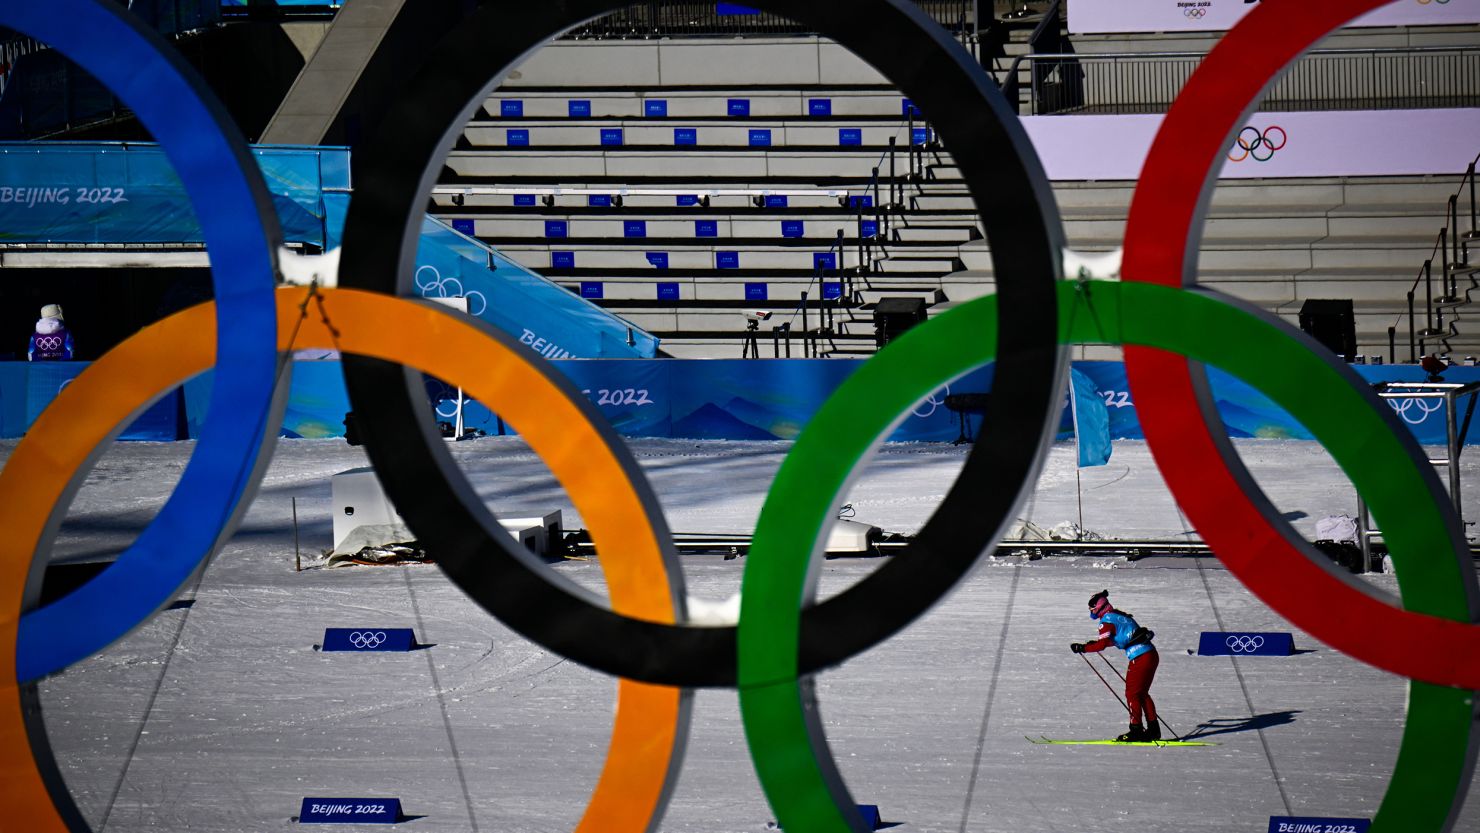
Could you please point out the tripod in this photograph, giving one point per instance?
(750, 349)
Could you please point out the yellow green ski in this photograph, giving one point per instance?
(1041, 739)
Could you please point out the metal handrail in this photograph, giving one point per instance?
(1155, 79)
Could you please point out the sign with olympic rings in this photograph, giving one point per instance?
(1108, 16)
(782, 638)
(1220, 643)
(365, 639)
(1258, 145)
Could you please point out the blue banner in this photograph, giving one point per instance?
(89, 192)
(722, 399)
(549, 319)
(27, 388)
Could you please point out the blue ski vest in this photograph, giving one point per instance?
(1125, 627)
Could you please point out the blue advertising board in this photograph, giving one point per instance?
(686, 136)
(655, 108)
(578, 108)
(517, 138)
(562, 260)
(706, 228)
(738, 107)
(467, 227)
(105, 192)
(727, 260)
(595, 290)
(760, 138)
(611, 137)
(658, 260)
(634, 228)
(819, 107)
(793, 228)
(668, 291)
(777, 200)
(824, 261)
(511, 108)
(361, 640)
(755, 292)
(350, 811)
(525, 200)
(1245, 643)
(850, 136)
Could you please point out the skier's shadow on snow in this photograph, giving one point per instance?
(1226, 725)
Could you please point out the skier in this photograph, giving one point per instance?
(1119, 628)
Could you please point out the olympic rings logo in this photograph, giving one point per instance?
(1244, 644)
(440, 287)
(49, 343)
(367, 639)
(1252, 143)
(1195, 12)
(933, 403)
(771, 654)
(1405, 407)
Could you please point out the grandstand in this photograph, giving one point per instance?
(683, 164)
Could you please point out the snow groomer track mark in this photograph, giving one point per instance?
(782, 638)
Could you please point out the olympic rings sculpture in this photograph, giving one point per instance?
(782, 638)
(1243, 644)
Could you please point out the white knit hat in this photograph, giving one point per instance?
(51, 311)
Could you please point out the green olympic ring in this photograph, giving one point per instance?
(782, 723)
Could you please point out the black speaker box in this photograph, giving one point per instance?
(894, 316)
(1331, 323)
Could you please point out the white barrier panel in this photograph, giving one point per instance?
(1335, 143)
(1105, 16)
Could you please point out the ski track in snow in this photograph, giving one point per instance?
(249, 719)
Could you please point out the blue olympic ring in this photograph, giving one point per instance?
(241, 232)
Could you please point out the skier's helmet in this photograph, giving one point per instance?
(1099, 604)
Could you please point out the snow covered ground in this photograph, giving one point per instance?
(220, 716)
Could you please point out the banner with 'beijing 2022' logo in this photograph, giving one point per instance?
(1104, 16)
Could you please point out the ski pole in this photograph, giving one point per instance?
(1107, 685)
(1159, 718)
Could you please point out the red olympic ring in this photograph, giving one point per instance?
(1162, 239)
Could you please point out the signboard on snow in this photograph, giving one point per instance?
(1243, 643)
(1303, 824)
(369, 639)
(350, 811)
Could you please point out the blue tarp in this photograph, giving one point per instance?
(89, 192)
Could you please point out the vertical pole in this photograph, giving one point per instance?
(297, 555)
(1364, 533)
(1392, 345)
(1412, 344)
(1453, 460)
(457, 430)
(1428, 284)
(805, 328)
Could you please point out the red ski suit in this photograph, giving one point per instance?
(1138, 675)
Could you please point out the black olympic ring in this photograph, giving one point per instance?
(400, 165)
(1244, 644)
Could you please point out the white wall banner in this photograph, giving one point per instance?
(1104, 16)
(1274, 145)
